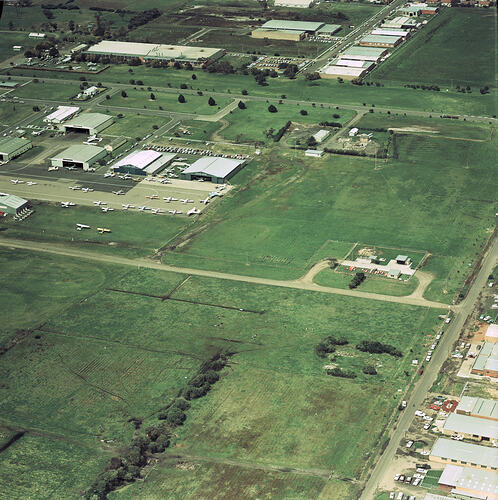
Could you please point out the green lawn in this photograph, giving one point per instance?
(386, 286)
(168, 101)
(454, 60)
(11, 114)
(7, 40)
(197, 130)
(250, 124)
(132, 124)
(47, 90)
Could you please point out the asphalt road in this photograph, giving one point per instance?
(419, 393)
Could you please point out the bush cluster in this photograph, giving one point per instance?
(357, 280)
(375, 347)
(327, 345)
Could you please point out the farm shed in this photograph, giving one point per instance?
(79, 156)
(217, 170)
(89, 123)
(11, 147)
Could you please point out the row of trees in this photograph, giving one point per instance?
(357, 280)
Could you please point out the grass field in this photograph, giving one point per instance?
(250, 124)
(132, 124)
(326, 91)
(439, 193)
(168, 101)
(11, 114)
(7, 40)
(431, 56)
(158, 31)
(112, 356)
(47, 90)
(130, 234)
(197, 130)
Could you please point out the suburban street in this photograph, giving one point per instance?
(422, 387)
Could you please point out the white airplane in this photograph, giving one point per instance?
(186, 200)
(109, 174)
(16, 181)
(71, 168)
(143, 208)
(98, 203)
(74, 188)
(4, 194)
(30, 183)
(174, 212)
(119, 192)
(157, 211)
(153, 196)
(87, 190)
(52, 169)
(193, 211)
(165, 181)
(67, 204)
(127, 206)
(215, 193)
(205, 200)
(222, 187)
(79, 227)
(107, 209)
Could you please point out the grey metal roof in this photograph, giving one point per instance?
(465, 452)
(276, 24)
(365, 51)
(471, 425)
(481, 481)
(9, 145)
(12, 201)
(380, 39)
(79, 152)
(216, 167)
(329, 28)
(88, 120)
(486, 408)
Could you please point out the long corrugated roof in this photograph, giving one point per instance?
(61, 113)
(471, 425)
(9, 145)
(481, 481)
(79, 152)
(90, 120)
(485, 408)
(465, 452)
(276, 24)
(12, 201)
(364, 51)
(138, 159)
(380, 39)
(216, 167)
(343, 70)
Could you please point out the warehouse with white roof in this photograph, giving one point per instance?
(471, 483)
(469, 427)
(364, 53)
(470, 455)
(478, 407)
(216, 170)
(300, 4)
(345, 72)
(143, 162)
(61, 113)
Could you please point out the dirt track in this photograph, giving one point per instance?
(301, 284)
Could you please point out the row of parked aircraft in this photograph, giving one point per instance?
(18, 181)
(100, 230)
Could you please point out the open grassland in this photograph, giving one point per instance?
(189, 480)
(10, 114)
(386, 286)
(168, 101)
(110, 356)
(132, 124)
(250, 124)
(325, 91)
(435, 197)
(53, 285)
(8, 40)
(131, 234)
(196, 130)
(439, 54)
(47, 90)
(161, 30)
(38, 466)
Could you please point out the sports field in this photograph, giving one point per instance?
(102, 356)
(168, 101)
(439, 54)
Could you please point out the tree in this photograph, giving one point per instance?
(358, 278)
(36, 109)
(211, 102)
(175, 416)
(311, 142)
(241, 105)
(303, 112)
(369, 370)
(152, 96)
(272, 108)
(123, 94)
(181, 98)
(244, 92)
(194, 76)
(107, 96)
(312, 76)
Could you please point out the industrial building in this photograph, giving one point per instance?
(380, 41)
(470, 455)
(11, 204)
(491, 334)
(328, 30)
(469, 427)
(11, 147)
(344, 72)
(400, 22)
(9, 84)
(37, 35)
(353, 63)
(486, 363)
(79, 156)
(153, 51)
(79, 48)
(313, 153)
(301, 4)
(391, 32)
(364, 53)
(144, 162)
(411, 11)
(478, 407)
(88, 123)
(431, 11)
(60, 114)
(217, 170)
(321, 135)
(287, 30)
(469, 483)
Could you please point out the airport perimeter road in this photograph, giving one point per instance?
(425, 382)
(78, 253)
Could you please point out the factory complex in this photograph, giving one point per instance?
(294, 30)
(154, 51)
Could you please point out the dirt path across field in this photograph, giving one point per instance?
(299, 284)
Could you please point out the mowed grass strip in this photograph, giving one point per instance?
(439, 54)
